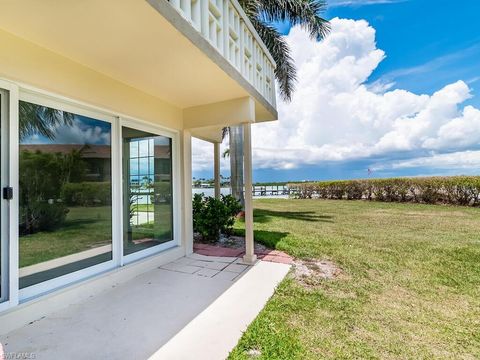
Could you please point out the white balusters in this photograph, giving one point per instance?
(232, 35)
(247, 55)
(224, 24)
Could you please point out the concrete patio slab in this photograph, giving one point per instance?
(164, 313)
(216, 331)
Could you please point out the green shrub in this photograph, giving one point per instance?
(212, 217)
(455, 190)
(42, 216)
(87, 193)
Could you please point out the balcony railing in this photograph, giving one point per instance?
(224, 24)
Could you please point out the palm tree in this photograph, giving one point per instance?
(263, 13)
(36, 119)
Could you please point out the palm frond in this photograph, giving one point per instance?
(285, 72)
(225, 132)
(305, 13)
(36, 119)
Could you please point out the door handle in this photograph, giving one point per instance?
(8, 193)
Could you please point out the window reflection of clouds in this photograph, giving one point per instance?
(83, 130)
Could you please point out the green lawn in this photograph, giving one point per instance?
(410, 286)
(85, 228)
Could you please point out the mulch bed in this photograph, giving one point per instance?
(234, 246)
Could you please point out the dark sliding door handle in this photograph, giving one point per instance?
(8, 193)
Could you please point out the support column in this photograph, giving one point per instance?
(250, 256)
(216, 168)
(186, 214)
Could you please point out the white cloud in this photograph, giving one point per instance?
(463, 160)
(335, 116)
(202, 155)
(335, 3)
(81, 133)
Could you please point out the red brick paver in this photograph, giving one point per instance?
(266, 255)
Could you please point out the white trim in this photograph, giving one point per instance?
(12, 208)
(174, 136)
(4, 161)
(117, 203)
(68, 105)
(45, 287)
(5, 218)
(154, 250)
(13, 205)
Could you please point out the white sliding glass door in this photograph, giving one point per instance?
(65, 195)
(82, 191)
(147, 192)
(4, 240)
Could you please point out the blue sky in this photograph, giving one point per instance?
(84, 130)
(418, 47)
(429, 43)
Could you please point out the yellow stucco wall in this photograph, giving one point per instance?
(27, 63)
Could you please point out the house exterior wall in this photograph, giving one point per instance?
(27, 63)
(32, 72)
(36, 72)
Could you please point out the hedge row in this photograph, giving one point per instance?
(87, 193)
(455, 190)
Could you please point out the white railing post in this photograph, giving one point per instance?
(226, 29)
(186, 7)
(242, 49)
(224, 24)
(204, 21)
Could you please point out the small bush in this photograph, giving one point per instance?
(455, 190)
(212, 217)
(42, 216)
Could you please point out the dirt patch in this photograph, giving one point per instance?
(254, 353)
(311, 272)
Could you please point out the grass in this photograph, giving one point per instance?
(85, 228)
(410, 289)
(143, 207)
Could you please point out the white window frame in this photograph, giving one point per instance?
(9, 219)
(19, 91)
(55, 102)
(176, 241)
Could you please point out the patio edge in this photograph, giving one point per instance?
(216, 331)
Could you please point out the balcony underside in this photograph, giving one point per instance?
(130, 41)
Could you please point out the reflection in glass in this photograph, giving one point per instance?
(65, 193)
(147, 181)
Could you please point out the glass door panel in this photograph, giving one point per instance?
(65, 205)
(4, 241)
(147, 190)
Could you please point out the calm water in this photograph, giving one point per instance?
(211, 191)
(226, 191)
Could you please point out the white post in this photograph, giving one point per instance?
(250, 256)
(187, 220)
(216, 168)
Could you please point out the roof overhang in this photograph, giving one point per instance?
(148, 48)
